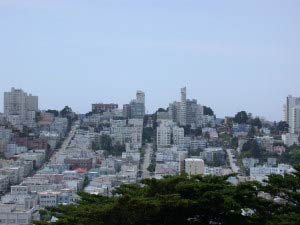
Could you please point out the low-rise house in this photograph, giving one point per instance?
(260, 173)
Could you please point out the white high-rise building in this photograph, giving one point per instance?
(140, 96)
(292, 113)
(187, 112)
(194, 166)
(163, 136)
(285, 117)
(182, 116)
(290, 139)
(295, 120)
(32, 103)
(18, 103)
(15, 103)
(178, 136)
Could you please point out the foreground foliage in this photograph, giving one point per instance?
(181, 200)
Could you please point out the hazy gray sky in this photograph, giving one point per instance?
(231, 55)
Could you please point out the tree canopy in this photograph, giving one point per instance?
(251, 149)
(180, 200)
(65, 111)
(53, 111)
(241, 117)
(282, 126)
(256, 122)
(208, 111)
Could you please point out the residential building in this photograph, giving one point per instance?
(194, 166)
(178, 137)
(11, 215)
(260, 173)
(18, 103)
(292, 112)
(294, 120)
(136, 108)
(183, 106)
(290, 139)
(163, 136)
(123, 131)
(214, 155)
(126, 111)
(4, 183)
(101, 107)
(188, 112)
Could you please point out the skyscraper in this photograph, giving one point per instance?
(32, 103)
(186, 112)
(137, 106)
(295, 120)
(293, 113)
(15, 103)
(182, 117)
(18, 103)
(140, 97)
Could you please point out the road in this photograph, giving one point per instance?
(232, 161)
(65, 144)
(147, 158)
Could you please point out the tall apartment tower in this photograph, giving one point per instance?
(32, 103)
(285, 113)
(17, 102)
(295, 120)
(182, 116)
(137, 106)
(140, 96)
(293, 113)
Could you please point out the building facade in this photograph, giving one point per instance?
(292, 112)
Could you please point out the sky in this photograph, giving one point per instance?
(231, 55)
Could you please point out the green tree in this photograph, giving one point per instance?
(251, 132)
(65, 111)
(105, 142)
(251, 148)
(234, 142)
(148, 134)
(206, 135)
(256, 123)
(180, 200)
(292, 155)
(208, 111)
(151, 167)
(197, 131)
(241, 117)
(53, 111)
(282, 126)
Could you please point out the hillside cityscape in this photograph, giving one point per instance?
(149, 112)
(57, 158)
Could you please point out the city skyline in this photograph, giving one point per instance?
(149, 112)
(232, 56)
(120, 105)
